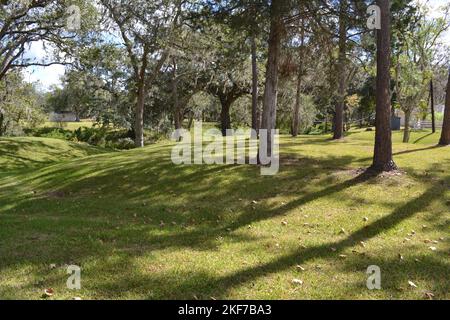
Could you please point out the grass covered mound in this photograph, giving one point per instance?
(33, 152)
(141, 227)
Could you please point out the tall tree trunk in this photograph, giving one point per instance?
(176, 103)
(2, 119)
(407, 131)
(433, 116)
(225, 119)
(339, 113)
(445, 134)
(296, 117)
(259, 113)
(255, 122)
(139, 120)
(271, 86)
(191, 119)
(141, 93)
(382, 159)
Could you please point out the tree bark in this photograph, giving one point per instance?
(339, 112)
(445, 134)
(139, 120)
(176, 103)
(382, 159)
(407, 131)
(225, 119)
(141, 93)
(2, 118)
(296, 117)
(191, 119)
(433, 117)
(255, 122)
(271, 86)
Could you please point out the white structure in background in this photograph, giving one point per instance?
(417, 123)
(63, 117)
(439, 108)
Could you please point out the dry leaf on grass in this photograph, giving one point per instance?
(48, 292)
(429, 295)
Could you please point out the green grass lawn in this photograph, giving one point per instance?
(143, 228)
(69, 125)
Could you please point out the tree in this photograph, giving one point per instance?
(145, 28)
(300, 75)
(21, 105)
(445, 134)
(411, 87)
(417, 54)
(25, 22)
(271, 87)
(382, 159)
(339, 112)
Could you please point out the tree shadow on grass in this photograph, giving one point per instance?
(80, 206)
(13, 163)
(395, 274)
(323, 251)
(138, 239)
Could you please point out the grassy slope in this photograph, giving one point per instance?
(30, 152)
(104, 213)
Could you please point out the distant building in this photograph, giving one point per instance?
(63, 117)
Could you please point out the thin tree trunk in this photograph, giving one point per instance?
(271, 86)
(225, 119)
(2, 119)
(175, 98)
(445, 134)
(339, 113)
(296, 117)
(142, 91)
(433, 116)
(191, 119)
(255, 122)
(382, 159)
(139, 121)
(259, 113)
(407, 131)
